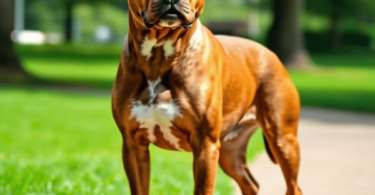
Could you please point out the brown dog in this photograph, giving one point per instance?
(181, 88)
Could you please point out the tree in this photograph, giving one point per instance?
(68, 23)
(68, 8)
(8, 58)
(338, 10)
(286, 36)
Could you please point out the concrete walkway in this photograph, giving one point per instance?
(338, 156)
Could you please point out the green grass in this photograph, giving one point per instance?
(339, 81)
(86, 65)
(344, 82)
(98, 73)
(65, 143)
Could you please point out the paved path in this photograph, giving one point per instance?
(338, 156)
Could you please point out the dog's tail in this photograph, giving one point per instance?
(269, 152)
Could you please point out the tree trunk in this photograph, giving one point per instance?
(334, 30)
(122, 5)
(286, 35)
(69, 21)
(8, 58)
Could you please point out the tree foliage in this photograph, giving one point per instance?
(44, 15)
(8, 58)
(341, 8)
(57, 16)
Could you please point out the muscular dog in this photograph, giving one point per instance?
(181, 88)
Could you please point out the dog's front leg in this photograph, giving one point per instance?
(136, 159)
(206, 156)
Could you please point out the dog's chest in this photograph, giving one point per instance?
(155, 112)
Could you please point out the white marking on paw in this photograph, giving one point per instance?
(168, 48)
(147, 46)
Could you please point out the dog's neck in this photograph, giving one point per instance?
(162, 44)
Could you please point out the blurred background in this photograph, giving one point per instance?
(58, 60)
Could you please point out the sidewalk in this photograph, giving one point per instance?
(338, 156)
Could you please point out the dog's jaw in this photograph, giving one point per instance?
(167, 42)
(157, 14)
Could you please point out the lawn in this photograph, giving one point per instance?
(61, 142)
(67, 143)
(338, 81)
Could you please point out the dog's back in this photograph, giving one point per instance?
(256, 58)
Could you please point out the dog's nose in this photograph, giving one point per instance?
(172, 1)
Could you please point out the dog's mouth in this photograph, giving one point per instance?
(171, 15)
(172, 18)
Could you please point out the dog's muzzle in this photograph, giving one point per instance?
(169, 13)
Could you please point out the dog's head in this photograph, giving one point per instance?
(166, 13)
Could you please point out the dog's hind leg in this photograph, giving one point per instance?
(233, 157)
(278, 113)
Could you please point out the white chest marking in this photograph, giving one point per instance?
(151, 89)
(157, 114)
(148, 45)
(168, 48)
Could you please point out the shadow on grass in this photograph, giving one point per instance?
(32, 80)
